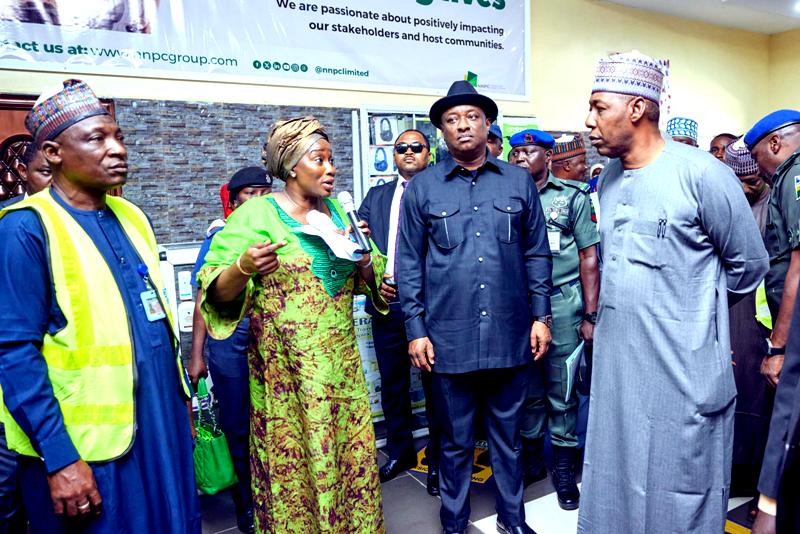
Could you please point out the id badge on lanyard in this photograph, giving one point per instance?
(554, 234)
(554, 239)
(150, 301)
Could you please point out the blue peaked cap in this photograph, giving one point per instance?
(532, 137)
(495, 130)
(769, 124)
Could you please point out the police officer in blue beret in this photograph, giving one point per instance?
(774, 143)
(572, 237)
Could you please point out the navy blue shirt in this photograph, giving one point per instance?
(205, 246)
(474, 264)
(229, 355)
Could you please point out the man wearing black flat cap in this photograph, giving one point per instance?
(474, 270)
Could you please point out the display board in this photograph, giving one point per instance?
(366, 348)
(360, 44)
(380, 127)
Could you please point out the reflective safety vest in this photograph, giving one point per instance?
(763, 315)
(90, 361)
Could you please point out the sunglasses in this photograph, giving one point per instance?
(416, 147)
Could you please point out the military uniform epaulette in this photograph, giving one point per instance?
(583, 187)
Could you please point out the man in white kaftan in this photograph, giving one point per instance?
(677, 238)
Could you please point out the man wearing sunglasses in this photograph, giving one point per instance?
(572, 237)
(381, 210)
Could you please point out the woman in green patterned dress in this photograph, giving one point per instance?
(312, 448)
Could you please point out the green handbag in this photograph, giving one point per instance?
(213, 466)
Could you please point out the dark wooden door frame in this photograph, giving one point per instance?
(23, 102)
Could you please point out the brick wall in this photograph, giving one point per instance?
(180, 153)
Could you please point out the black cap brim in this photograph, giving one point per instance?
(249, 177)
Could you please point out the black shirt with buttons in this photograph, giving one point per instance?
(473, 265)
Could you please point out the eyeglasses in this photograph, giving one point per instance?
(416, 147)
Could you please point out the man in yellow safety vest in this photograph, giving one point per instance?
(93, 390)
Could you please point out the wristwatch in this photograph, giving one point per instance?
(771, 350)
(546, 319)
(590, 317)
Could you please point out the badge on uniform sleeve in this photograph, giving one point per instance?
(152, 306)
(797, 187)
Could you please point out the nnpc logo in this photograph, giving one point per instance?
(497, 4)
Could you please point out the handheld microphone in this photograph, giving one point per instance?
(346, 201)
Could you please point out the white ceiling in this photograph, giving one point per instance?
(763, 16)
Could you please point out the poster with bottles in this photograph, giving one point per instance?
(380, 132)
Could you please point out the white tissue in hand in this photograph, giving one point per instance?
(322, 226)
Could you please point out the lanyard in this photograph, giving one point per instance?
(143, 271)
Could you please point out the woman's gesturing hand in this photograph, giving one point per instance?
(261, 258)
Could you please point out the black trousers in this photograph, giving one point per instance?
(788, 518)
(227, 362)
(501, 394)
(394, 364)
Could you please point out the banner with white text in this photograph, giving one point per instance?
(414, 46)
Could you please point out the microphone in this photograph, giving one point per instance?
(346, 201)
